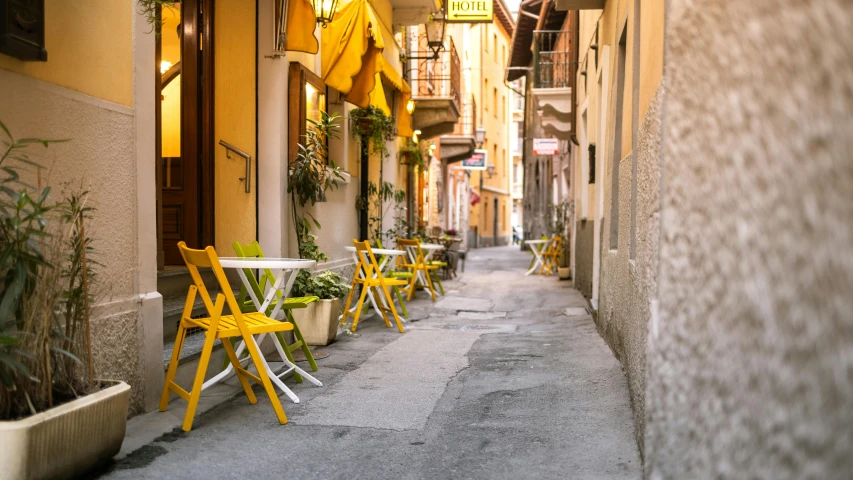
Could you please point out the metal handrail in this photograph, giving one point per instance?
(232, 148)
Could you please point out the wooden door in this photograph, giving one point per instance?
(185, 174)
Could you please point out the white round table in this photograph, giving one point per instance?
(287, 270)
(537, 247)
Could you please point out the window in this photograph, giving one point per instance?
(617, 141)
(486, 89)
(495, 102)
(503, 55)
(503, 108)
(495, 46)
(311, 92)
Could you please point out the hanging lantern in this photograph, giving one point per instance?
(435, 31)
(324, 10)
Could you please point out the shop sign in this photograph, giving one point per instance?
(476, 162)
(545, 146)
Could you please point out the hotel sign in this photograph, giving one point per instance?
(476, 162)
(470, 11)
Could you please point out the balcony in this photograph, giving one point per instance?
(436, 90)
(554, 72)
(461, 144)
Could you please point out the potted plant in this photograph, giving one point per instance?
(319, 321)
(57, 420)
(562, 219)
(371, 125)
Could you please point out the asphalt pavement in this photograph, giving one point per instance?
(504, 377)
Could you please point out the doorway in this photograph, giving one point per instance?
(495, 225)
(184, 130)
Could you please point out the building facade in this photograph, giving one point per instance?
(711, 285)
(188, 135)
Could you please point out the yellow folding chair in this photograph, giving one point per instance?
(223, 327)
(417, 264)
(369, 275)
(549, 263)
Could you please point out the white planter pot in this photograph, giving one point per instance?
(318, 322)
(564, 273)
(67, 440)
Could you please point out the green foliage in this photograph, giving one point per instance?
(44, 282)
(412, 154)
(312, 174)
(380, 198)
(149, 9)
(371, 125)
(560, 221)
(326, 285)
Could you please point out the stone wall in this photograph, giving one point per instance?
(750, 362)
(628, 285)
(585, 233)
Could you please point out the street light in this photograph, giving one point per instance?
(435, 27)
(410, 106)
(324, 10)
(480, 135)
(490, 170)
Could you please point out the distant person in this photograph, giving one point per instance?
(516, 235)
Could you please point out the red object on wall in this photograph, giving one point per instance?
(475, 197)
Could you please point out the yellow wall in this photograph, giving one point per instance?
(235, 113)
(89, 48)
(651, 55)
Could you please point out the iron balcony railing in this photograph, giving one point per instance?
(554, 62)
(440, 78)
(468, 121)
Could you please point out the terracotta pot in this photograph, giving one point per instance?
(68, 440)
(563, 273)
(318, 322)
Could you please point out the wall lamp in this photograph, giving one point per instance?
(480, 136)
(490, 170)
(324, 11)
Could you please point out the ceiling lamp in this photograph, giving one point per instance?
(324, 10)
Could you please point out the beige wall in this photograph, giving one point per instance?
(625, 282)
(89, 49)
(750, 361)
(100, 96)
(235, 121)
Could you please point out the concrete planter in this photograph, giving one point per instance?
(563, 273)
(68, 440)
(318, 322)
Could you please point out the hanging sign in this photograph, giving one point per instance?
(545, 146)
(470, 11)
(476, 162)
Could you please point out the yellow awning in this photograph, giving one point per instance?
(404, 120)
(300, 26)
(352, 61)
(352, 52)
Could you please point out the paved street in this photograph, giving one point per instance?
(504, 377)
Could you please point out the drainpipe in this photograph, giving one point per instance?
(362, 214)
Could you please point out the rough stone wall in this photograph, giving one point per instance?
(750, 364)
(585, 232)
(99, 156)
(628, 285)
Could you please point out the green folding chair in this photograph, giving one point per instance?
(253, 250)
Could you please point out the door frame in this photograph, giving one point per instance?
(197, 121)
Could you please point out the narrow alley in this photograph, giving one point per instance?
(504, 377)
